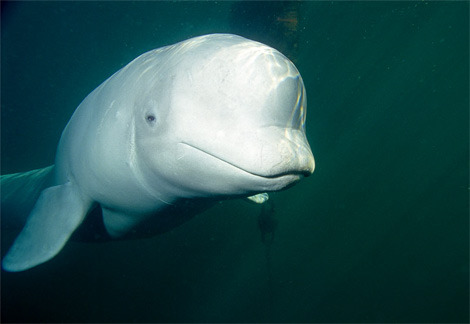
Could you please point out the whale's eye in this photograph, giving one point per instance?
(150, 118)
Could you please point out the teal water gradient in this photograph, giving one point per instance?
(380, 231)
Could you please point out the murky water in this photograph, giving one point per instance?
(379, 233)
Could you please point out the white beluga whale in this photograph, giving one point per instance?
(178, 128)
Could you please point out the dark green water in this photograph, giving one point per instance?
(379, 233)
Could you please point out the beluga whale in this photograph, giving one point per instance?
(177, 129)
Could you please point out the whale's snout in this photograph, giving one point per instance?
(276, 156)
(285, 151)
(306, 164)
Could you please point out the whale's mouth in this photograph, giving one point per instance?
(293, 174)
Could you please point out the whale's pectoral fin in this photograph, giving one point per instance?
(57, 213)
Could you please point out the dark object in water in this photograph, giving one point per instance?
(267, 224)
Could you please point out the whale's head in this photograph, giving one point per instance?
(228, 118)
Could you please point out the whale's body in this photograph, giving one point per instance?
(179, 127)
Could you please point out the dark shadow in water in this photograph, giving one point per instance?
(267, 224)
(276, 25)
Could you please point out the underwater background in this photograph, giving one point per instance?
(379, 232)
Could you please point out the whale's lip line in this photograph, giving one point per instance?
(277, 176)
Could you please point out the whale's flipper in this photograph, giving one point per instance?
(57, 213)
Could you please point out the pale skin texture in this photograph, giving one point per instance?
(212, 117)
